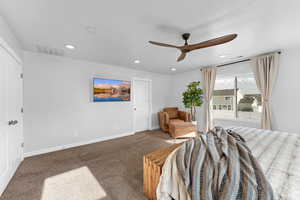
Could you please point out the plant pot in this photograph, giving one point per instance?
(194, 123)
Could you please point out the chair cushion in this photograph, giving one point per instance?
(173, 112)
(176, 121)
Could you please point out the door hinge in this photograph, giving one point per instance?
(22, 144)
(22, 110)
(21, 75)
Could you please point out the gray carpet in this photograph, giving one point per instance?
(106, 170)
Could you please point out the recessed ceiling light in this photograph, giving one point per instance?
(173, 69)
(137, 61)
(70, 46)
(222, 56)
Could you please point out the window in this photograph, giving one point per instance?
(236, 95)
(249, 105)
(228, 98)
(229, 107)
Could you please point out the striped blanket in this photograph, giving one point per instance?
(218, 165)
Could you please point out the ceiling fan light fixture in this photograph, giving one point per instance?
(137, 61)
(173, 69)
(222, 56)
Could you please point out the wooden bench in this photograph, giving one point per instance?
(153, 163)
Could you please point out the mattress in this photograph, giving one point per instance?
(279, 156)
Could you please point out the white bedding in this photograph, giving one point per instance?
(279, 155)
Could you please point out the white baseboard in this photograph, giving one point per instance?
(155, 127)
(67, 146)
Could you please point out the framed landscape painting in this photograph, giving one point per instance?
(111, 90)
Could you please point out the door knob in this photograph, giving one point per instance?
(12, 122)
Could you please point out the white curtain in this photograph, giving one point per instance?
(209, 78)
(265, 69)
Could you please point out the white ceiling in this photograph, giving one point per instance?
(120, 30)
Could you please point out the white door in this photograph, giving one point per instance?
(10, 117)
(141, 104)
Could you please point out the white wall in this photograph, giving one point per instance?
(286, 95)
(179, 84)
(8, 36)
(57, 105)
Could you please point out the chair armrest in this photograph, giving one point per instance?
(166, 117)
(185, 116)
(164, 120)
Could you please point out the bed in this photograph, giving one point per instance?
(279, 155)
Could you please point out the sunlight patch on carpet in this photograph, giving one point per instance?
(76, 184)
(176, 141)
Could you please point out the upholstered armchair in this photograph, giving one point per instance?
(172, 115)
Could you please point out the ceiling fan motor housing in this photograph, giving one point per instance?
(186, 36)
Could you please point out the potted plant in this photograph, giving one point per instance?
(192, 98)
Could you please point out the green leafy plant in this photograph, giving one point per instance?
(193, 97)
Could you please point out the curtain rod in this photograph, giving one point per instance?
(241, 61)
(232, 63)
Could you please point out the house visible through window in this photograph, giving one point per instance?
(236, 95)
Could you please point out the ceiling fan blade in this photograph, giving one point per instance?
(163, 44)
(181, 57)
(212, 42)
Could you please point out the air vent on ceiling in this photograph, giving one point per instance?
(50, 51)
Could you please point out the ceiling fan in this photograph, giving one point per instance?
(190, 47)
